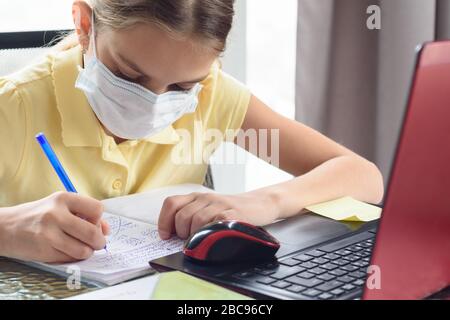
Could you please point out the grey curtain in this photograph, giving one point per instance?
(352, 82)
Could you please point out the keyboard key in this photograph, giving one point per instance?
(306, 275)
(295, 288)
(328, 286)
(266, 269)
(359, 283)
(352, 258)
(343, 252)
(337, 292)
(349, 268)
(304, 282)
(284, 272)
(346, 279)
(289, 262)
(366, 244)
(329, 266)
(338, 272)
(348, 287)
(317, 271)
(341, 262)
(264, 272)
(346, 242)
(320, 260)
(311, 293)
(355, 248)
(308, 265)
(280, 284)
(331, 256)
(325, 296)
(357, 274)
(315, 253)
(326, 277)
(303, 257)
(265, 280)
(363, 270)
(360, 264)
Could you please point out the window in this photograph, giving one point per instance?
(271, 52)
(32, 15)
(271, 63)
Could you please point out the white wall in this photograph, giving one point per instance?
(231, 178)
(262, 54)
(271, 63)
(28, 15)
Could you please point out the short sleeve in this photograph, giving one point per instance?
(227, 102)
(12, 130)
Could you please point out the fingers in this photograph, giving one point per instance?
(105, 227)
(166, 222)
(71, 247)
(205, 216)
(183, 217)
(84, 207)
(57, 257)
(227, 215)
(82, 230)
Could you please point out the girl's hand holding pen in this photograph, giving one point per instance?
(63, 227)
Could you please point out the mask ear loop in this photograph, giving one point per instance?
(92, 35)
(91, 41)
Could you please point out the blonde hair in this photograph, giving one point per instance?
(209, 21)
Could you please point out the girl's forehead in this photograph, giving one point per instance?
(154, 50)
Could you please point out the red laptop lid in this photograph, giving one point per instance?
(412, 247)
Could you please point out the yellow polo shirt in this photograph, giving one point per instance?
(42, 98)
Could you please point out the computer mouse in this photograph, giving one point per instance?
(230, 242)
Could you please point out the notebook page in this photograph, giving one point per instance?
(130, 246)
(146, 206)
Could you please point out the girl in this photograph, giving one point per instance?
(112, 99)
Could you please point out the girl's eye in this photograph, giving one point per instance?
(124, 77)
(177, 87)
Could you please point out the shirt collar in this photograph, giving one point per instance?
(80, 126)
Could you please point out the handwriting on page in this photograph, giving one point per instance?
(131, 245)
(128, 233)
(139, 256)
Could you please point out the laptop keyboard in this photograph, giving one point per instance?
(327, 272)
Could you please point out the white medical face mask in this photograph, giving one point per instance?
(129, 110)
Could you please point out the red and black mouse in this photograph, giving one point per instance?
(231, 242)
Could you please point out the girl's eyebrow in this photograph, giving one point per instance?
(136, 69)
(131, 65)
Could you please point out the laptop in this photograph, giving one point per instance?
(404, 256)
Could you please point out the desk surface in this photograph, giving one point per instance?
(20, 282)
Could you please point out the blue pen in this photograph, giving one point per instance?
(56, 164)
(51, 156)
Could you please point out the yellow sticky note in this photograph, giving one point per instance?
(347, 209)
(180, 286)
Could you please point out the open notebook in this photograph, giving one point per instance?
(133, 241)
